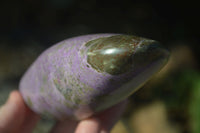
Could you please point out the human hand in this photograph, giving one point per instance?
(16, 117)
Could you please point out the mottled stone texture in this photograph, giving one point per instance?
(84, 75)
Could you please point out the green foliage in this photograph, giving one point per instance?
(181, 93)
(177, 88)
(194, 108)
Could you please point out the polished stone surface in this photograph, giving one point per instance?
(83, 75)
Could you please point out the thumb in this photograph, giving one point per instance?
(12, 113)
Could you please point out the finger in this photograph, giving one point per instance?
(110, 116)
(102, 122)
(67, 126)
(12, 113)
(29, 122)
(91, 125)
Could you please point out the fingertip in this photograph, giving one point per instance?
(110, 116)
(12, 112)
(15, 97)
(92, 125)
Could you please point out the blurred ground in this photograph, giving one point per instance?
(169, 103)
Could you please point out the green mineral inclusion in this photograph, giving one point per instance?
(73, 95)
(29, 102)
(113, 54)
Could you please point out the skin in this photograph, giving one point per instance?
(14, 113)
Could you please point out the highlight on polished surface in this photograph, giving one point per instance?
(81, 76)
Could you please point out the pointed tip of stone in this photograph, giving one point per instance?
(119, 54)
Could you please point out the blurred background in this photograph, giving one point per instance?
(168, 103)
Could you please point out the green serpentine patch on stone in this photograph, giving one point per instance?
(73, 96)
(111, 54)
(29, 102)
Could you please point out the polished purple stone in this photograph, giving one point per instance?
(62, 84)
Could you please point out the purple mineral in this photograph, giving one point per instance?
(81, 76)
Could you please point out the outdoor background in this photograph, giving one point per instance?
(169, 103)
